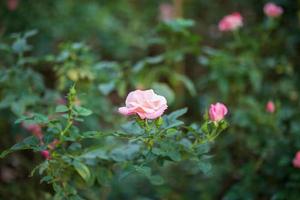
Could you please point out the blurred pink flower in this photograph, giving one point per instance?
(270, 107)
(12, 4)
(217, 112)
(231, 22)
(272, 10)
(146, 104)
(45, 154)
(35, 129)
(61, 101)
(53, 144)
(167, 11)
(296, 161)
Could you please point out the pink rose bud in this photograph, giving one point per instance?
(45, 154)
(12, 4)
(231, 22)
(146, 104)
(217, 112)
(272, 10)
(270, 107)
(167, 12)
(296, 161)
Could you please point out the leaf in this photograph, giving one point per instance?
(30, 33)
(43, 165)
(177, 113)
(46, 179)
(103, 176)
(132, 128)
(171, 119)
(82, 111)
(82, 170)
(20, 46)
(28, 143)
(75, 146)
(125, 152)
(205, 167)
(149, 60)
(96, 153)
(179, 25)
(202, 148)
(33, 119)
(91, 134)
(61, 108)
(146, 171)
(156, 180)
(167, 149)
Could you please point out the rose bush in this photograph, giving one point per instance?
(80, 147)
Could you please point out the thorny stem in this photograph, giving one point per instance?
(71, 99)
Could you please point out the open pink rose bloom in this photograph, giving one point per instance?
(296, 161)
(217, 112)
(272, 10)
(146, 104)
(231, 22)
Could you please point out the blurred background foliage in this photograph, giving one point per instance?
(111, 47)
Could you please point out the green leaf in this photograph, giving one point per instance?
(177, 113)
(103, 176)
(146, 171)
(30, 33)
(125, 152)
(91, 134)
(205, 167)
(20, 46)
(156, 180)
(95, 153)
(28, 143)
(34, 119)
(61, 108)
(179, 25)
(46, 179)
(82, 111)
(171, 119)
(82, 170)
(202, 148)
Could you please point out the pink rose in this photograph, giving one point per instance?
(45, 154)
(12, 4)
(146, 104)
(217, 112)
(167, 12)
(35, 129)
(272, 10)
(231, 22)
(270, 107)
(296, 161)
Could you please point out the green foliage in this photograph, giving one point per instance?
(111, 48)
(156, 141)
